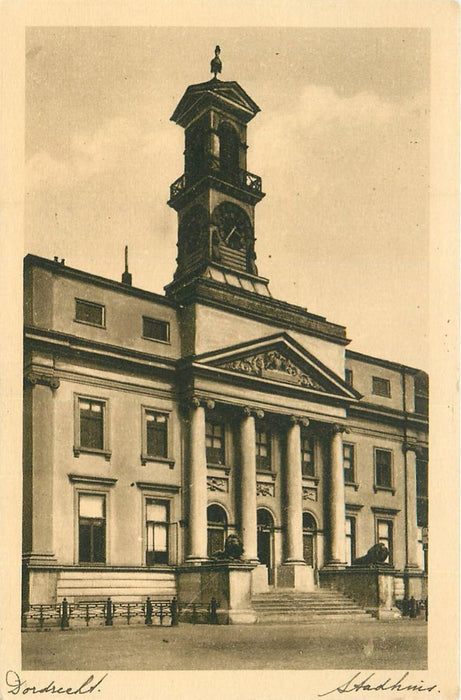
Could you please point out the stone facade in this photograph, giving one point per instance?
(157, 425)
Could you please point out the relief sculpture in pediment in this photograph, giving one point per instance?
(273, 365)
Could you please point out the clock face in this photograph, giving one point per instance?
(194, 230)
(232, 226)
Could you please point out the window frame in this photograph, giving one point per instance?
(161, 501)
(264, 428)
(353, 482)
(222, 424)
(145, 456)
(385, 518)
(91, 490)
(83, 449)
(157, 320)
(375, 392)
(307, 435)
(94, 304)
(352, 537)
(381, 487)
(166, 494)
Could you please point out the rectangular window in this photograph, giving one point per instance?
(154, 329)
(91, 528)
(214, 440)
(156, 434)
(384, 535)
(263, 449)
(307, 454)
(91, 415)
(349, 463)
(422, 491)
(349, 375)
(381, 387)
(383, 468)
(157, 519)
(350, 539)
(89, 312)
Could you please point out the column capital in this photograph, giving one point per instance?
(335, 428)
(299, 420)
(413, 447)
(197, 401)
(251, 411)
(44, 378)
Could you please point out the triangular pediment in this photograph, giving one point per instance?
(282, 360)
(229, 93)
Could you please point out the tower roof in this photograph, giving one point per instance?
(228, 95)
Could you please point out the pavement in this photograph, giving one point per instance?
(325, 645)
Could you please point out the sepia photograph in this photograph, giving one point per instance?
(227, 311)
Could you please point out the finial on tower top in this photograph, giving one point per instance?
(216, 63)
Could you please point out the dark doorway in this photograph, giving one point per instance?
(309, 537)
(265, 542)
(217, 529)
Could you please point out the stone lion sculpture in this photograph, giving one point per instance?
(375, 555)
(233, 548)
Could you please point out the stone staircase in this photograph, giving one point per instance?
(322, 605)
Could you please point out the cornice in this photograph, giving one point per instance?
(93, 480)
(380, 362)
(258, 307)
(76, 344)
(31, 261)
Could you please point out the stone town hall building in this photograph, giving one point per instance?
(156, 425)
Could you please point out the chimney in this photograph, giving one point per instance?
(126, 276)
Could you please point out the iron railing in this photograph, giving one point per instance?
(108, 613)
(240, 178)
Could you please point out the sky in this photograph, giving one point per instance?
(341, 144)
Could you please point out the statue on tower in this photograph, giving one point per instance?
(216, 63)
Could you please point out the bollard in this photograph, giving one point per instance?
(174, 610)
(109, 612)
(64, 614)
(148, 618)
(412, 608)
(213, 610)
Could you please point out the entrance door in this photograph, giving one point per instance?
(265, 542)
(309, 536)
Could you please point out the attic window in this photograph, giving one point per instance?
(154, 329)
(89, 312)
(381, 387)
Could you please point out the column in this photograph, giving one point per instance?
(197, 483)
(248, 484)
(294, 496)
(411, 524)
(337, 499)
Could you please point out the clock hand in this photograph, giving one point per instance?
(230, 234)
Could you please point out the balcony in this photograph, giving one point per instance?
(239, 178)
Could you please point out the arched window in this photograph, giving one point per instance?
(195, 149)
(228, 148)
(217, 528)
(309, 536)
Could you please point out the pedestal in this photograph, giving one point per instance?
(227, 581)
(299, 577)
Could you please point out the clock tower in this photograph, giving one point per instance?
(216, 196)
